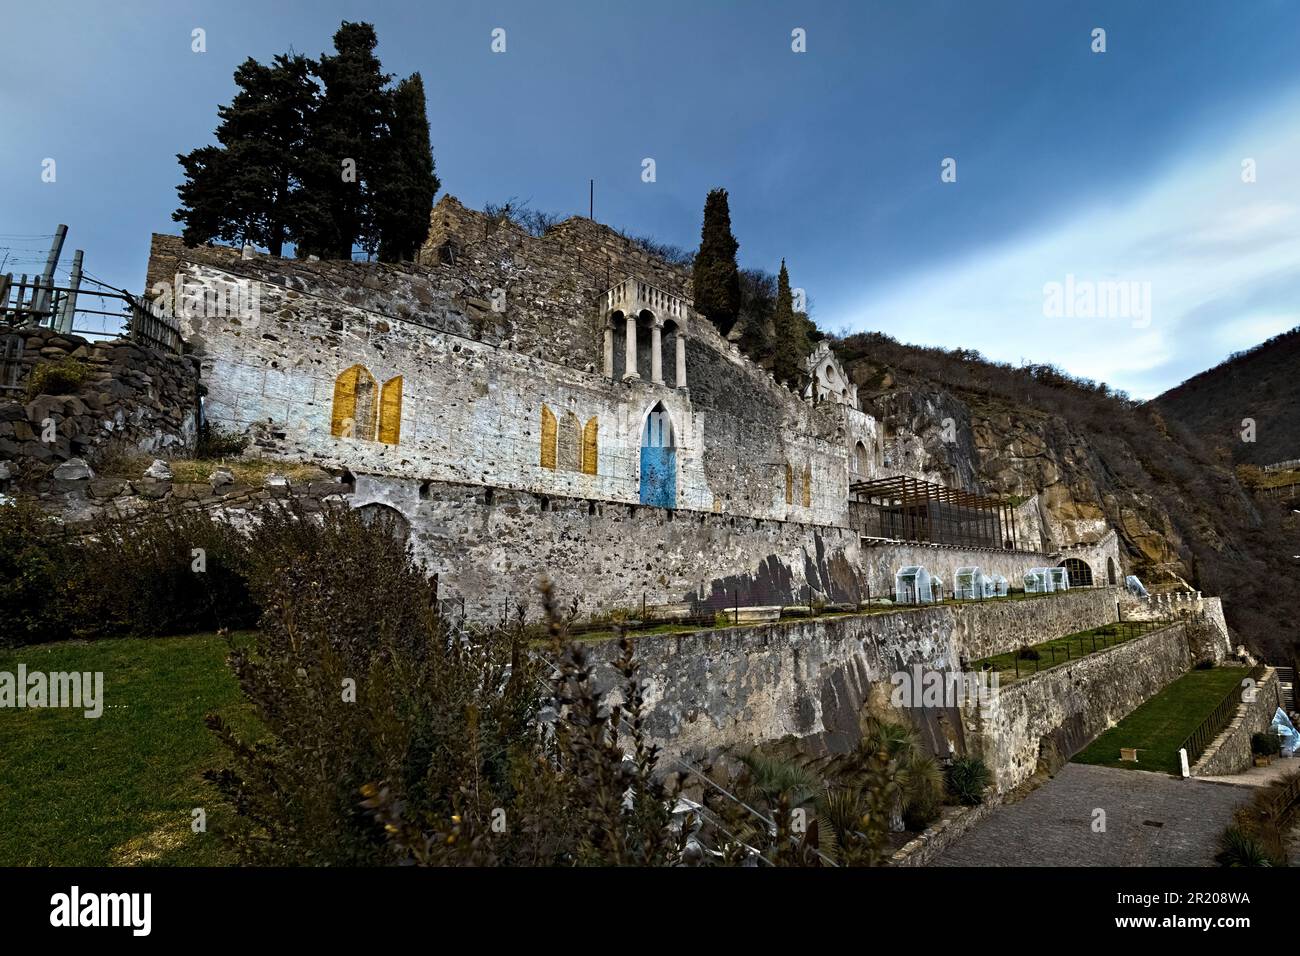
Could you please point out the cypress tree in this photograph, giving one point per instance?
(405, 191)
(716, 278)
(346, 147)
(246, 189)
(790, 331)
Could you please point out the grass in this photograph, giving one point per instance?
(119, 789)
(1158, 728)
(247, 471)
(1062, 650)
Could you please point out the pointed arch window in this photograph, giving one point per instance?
(549, 427)
(568, 452)
(355, 405)
(589, 446)
(390, 411)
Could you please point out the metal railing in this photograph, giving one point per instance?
(1219, 718)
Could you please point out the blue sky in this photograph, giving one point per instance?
(1115, 166)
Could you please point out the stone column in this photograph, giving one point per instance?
(609, 348)
(681, 357)
(656, 353)
(630, 349)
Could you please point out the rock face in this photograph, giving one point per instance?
(134, 398)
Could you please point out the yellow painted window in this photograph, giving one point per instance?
(807, 486)
(789, 485)
(354, 404)
(548, 438)
(589, 451)
(390, 411)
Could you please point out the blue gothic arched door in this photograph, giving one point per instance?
(658, 460)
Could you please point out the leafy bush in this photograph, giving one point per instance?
(1027, 653)
(64, 377)
(389, 738)
(1239, 848)
(165, 570)
(33, 585)
(966, 779)
(217, 443)
(158, 571)
(1265, 745)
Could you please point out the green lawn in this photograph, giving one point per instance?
(1159, 727)
(120, 788)
(1011, 667)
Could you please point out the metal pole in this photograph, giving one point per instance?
(64, 324)
(591, 201)
(51, 262)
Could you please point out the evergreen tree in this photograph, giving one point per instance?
(245, 189)
(716, 277)
(346, 147)
(790, 330)
(404, 194)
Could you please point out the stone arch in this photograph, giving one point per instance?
(616, 342)
(568, 449)
(548, 438)
(386, 517)
(355, 404)
(1080, 572)
(390, 411)
(860, 459)
(645, 323)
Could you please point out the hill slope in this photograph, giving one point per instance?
(1262, 383)
(1180, 512)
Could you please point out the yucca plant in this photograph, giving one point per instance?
(1239, 848)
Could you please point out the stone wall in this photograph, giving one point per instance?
(986, 628)
(808, 678)
(494, 544)
(134, 398)
(1230, 752)
(1066, 707)
(737, 687)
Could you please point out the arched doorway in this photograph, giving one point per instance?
(1110, 571)
(658, 459)
(1080, 572)
(386, 518)
(860, 459)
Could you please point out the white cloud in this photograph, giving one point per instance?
(1222, 258)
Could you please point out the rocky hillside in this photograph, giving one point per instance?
(1260, 384)
(1090, 457)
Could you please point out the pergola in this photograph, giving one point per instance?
(910, 509)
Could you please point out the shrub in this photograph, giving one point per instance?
(389, 738)
(164, 570)
(64, 377)
(1027, 653)
(1265, 745)
(217, 443)
(33, 581)
(966, 779)
(1239, 848)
